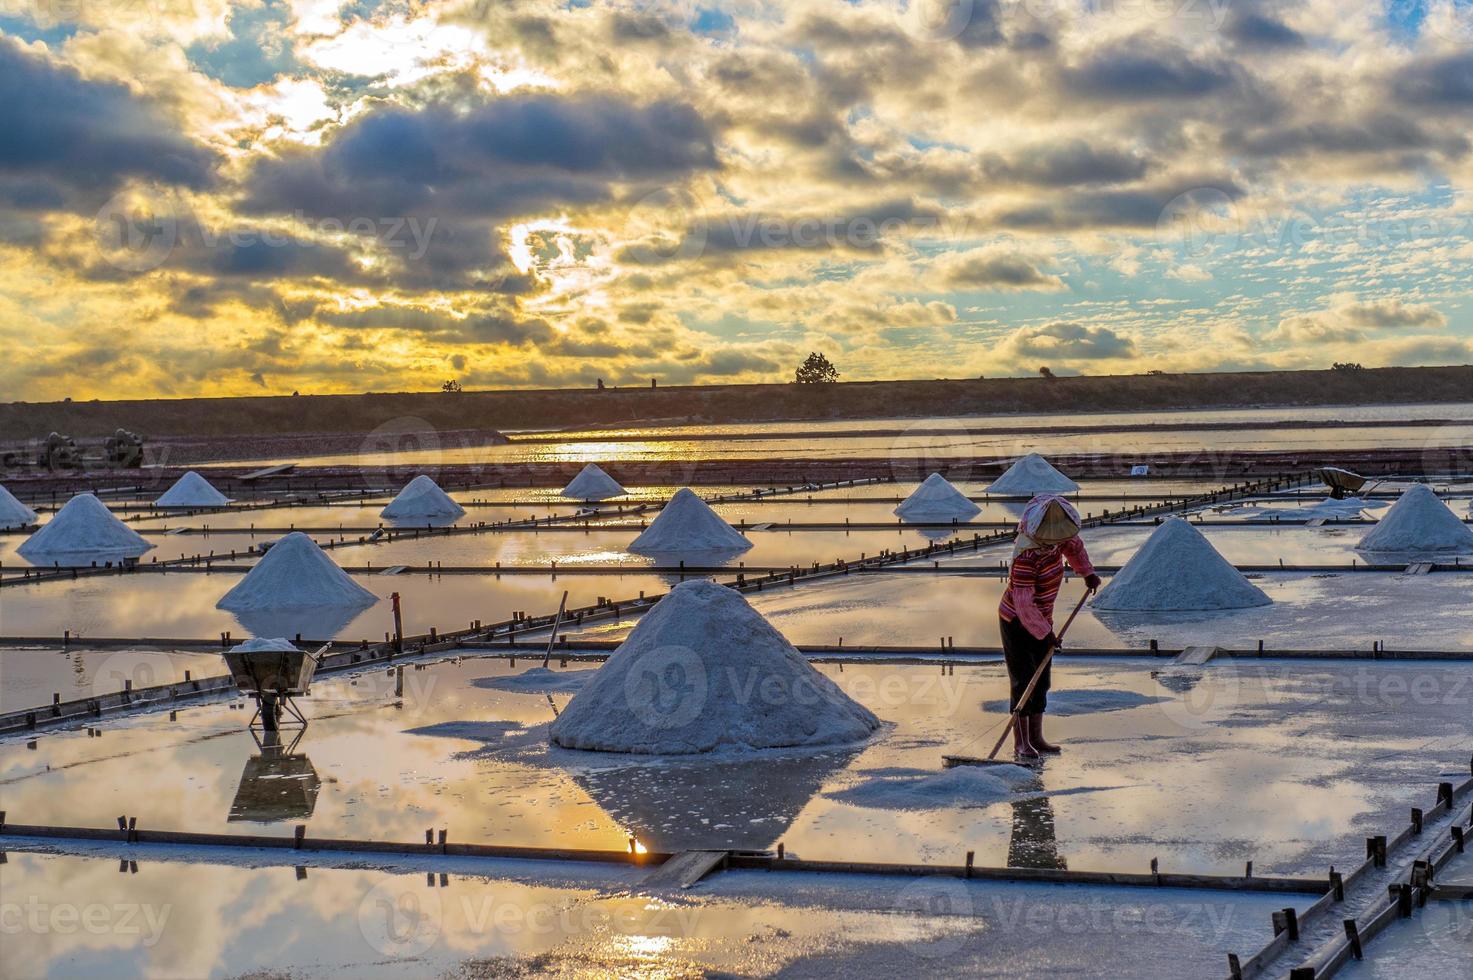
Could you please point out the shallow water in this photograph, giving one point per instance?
(451, 753)
(166, 918)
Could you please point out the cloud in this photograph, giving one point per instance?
(1255, 29)
(997, 267)
(1062, 341)
(1146, 68)
(1349, 320)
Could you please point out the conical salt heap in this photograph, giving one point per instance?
(84, 526)
(703, 671)
(687, 523)
(192, 490)
(295, 574)
(422, 497)
(937, 500)
(1031, 476)
(1177, 569)
(1419, 522)
(13, 513)
(592, 483)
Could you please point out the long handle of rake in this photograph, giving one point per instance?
(1037, 675)
(557, 622)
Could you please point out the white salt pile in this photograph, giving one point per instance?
(261, 644)
(592, 483)
(295, 574)
(537, 680)
(959, 787)
(422, 498)
(84, 526)
(13, 513)
(937, 500)
(192, 490)
(1030, 476)
(1178, 569)
(1419, 522)
(703, 671)
(1085, 702)
(687, 523)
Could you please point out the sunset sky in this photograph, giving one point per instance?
(214, 197)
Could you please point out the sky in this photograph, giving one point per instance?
(235, 197)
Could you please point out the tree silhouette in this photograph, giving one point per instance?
(816, 370)
(1046, 372)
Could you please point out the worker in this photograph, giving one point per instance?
(1048, 537)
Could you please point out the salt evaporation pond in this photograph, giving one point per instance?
(456, 753)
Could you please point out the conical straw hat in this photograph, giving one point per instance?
(1056, 527)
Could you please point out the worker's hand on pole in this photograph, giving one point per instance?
(1092, 582)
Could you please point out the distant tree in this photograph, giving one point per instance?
(1348, 366)
(1156, 371)
(816, 370)
(452, 387)
(1046, 372)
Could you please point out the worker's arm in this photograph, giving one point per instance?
(1024, 579)
(1078, 559)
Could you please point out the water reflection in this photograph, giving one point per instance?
(746, 803)
(277, 784)
(1033, 843)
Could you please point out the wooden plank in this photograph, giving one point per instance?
(683, 870)
(1194, 656)
(269, 471)
(394, 570)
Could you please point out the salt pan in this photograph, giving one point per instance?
(1030, 476)
(422, 498)
(687, 523)
(84, 526)
(937, 500)
(703, 671)
(192, 490)
(1419, 523)
(1178, 569)
(592, 483)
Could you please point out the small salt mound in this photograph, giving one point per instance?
(537, 680)
(84, 526)
(592, 483)
(704, 671)
(959, 787)
(192, 490)
(1178, 570)
(1068, 703)
(295, 574)
(1030, 476)
(937, 500)
(422, 497)
(13, 513)
(261, 644)
(687, 523)
(1419, 522)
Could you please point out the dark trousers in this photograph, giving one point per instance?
(1023, 653)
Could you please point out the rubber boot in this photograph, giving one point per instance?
(1022, 739)
(1035, 735)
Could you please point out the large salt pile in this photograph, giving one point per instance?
(687, 523)
(84, 527)
(13, 513)
(192, 490)
(936, 500)
(1178, 569)
(1419, 522)
(295, 574)
(704, 671)
(592, 483)
(422, 498)
(1031, 476)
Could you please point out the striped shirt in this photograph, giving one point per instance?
(1034, 582)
